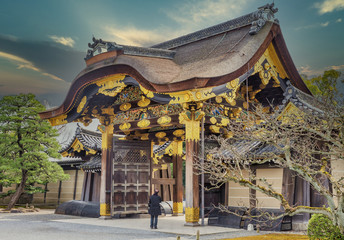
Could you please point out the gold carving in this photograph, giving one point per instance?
(146, 92)
(105, 209)
(58, 120)
(234, 83)
(81, 104)
(191, 120)
(144, 102)
(218, 99)
(198, 95)
(145, 136)
(143, 123)
(245, 105)
(160, 134)
(269, 66)
(254, 93)
(111, 86)
(187, 97)
(213, 120)
(191, 214)
(232, 103)
(179, 133)
(224, 121)
(124, 126)
(108, 111)
(107, 137)
(214, 129)
(164, 120)
(177, 207)
(125, 106)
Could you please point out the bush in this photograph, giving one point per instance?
(321, 227)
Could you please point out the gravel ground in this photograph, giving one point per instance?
(48, 226)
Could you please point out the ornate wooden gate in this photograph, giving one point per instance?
(131, 177)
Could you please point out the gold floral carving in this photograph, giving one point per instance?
(218, 99)
(214, 129)
(254, 93)
(124, 126)
(160, 134)
(179, 133)
(143, 123)
(125, 106)
(272, 68)
(191, 120)
(224, 121)
(81, 104)
(234, 83)
(185, 96)
(164, 120)
(145, 136)
(191, 214)
(213, 120)
(144, 102)
(108, 111)
(86, 120)
(111, 86)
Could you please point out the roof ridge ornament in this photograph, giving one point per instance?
(100, 46)
(263, 14)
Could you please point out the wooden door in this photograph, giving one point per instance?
(131, 177)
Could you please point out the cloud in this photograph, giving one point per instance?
(189, 16)
(193, 14)
(325, 24)
(315, 25)
(59, 61)
(134, 36)
(311, 72)
(338, 68)
(307, 70)
(66, 41)
(339, 20)
(25, 64)
(328, 6)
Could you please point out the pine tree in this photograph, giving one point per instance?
(26, 144)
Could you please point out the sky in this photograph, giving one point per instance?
(43, 43)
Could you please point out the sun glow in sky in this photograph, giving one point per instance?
(43, 43)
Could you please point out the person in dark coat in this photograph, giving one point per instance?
(154, 209)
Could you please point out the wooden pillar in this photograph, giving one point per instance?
(106, 174)
(191, 119)
(178, 176)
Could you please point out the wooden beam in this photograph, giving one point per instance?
(164, 181)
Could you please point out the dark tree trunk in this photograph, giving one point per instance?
(18, 192)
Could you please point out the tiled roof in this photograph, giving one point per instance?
(94, 164)
(254, 149)
(302, 100)
(89, 139)
(67, 160)
(160, 149)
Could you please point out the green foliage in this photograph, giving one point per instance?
(26, 144)
(321, 227)
(324, 86)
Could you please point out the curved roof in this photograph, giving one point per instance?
(90, 140)
(206, 58)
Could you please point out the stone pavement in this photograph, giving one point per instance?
(46, 225)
